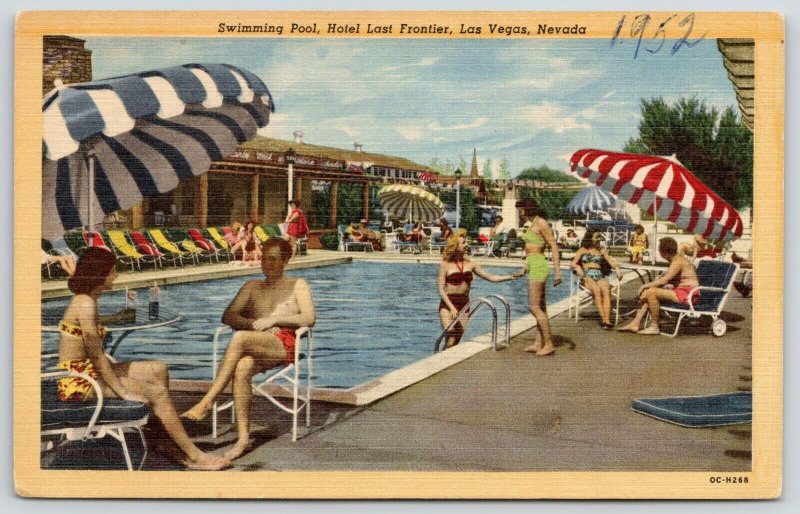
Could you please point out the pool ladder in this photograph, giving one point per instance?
(473, 307)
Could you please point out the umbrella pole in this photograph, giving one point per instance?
(90, 206)
(655, 233)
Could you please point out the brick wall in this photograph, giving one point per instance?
(67, 59)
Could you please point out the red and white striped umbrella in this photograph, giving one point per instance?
(661, 186)
(427, 177)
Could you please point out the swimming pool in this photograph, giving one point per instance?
(372, 318)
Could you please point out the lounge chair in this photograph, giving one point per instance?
(436, 242)
(414, 246)
(716, 280)
(125, 251)
(220, 241)
(185, 242)
(62, 422)
(204, 244)
(165, 245)
(146, 247)
(261, 234)
(280, 385)
(345, 243)
(75, 241)
(97, 240)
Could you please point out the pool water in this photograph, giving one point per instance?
(372, 318)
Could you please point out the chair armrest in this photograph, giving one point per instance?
(98, 391)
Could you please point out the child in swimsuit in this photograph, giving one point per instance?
(592, 263)
(455, 280)
(638, 244)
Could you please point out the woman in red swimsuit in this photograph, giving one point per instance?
(455, 281)
(264, 314)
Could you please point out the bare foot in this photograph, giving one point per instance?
(535, 347)
(629, 328)
(652, 330)
(196, 413)
(238, 449)
(546, 350)
(208, 462)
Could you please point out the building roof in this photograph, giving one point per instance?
(738, 56)
(268, 144)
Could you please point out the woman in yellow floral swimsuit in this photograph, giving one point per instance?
(81, 350)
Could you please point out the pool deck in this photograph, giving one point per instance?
(507, 410)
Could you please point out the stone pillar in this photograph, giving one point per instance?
(334, 194)
(66, 59)
(254, 197)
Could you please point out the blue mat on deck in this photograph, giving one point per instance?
(699, 411)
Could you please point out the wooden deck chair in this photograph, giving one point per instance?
(281, 385)
(62, 422)
(122, 247)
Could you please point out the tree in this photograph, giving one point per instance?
(717, 148)
(502, 169)
(487, 170)
(545, 173)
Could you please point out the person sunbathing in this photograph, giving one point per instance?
(264, 314)
(81, 350)
(680, 274)
(66, 262)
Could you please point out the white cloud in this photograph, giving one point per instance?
(550, 116)
(609, 94)
(422, 63)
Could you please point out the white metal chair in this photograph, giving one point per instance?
(280, 382)
(580, 296)
(80, 421)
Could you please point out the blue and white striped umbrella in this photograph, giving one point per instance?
(590, 199)
(138, 136)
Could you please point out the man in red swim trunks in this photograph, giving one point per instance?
(680, 274)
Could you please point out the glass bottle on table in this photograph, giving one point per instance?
(155, 299)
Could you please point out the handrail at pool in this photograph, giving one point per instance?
(480, 303)
(508, 316)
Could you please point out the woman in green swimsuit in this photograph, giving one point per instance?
(536, 237)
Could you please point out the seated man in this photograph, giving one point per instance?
(745, 284)
(264, 314)
(680, 274)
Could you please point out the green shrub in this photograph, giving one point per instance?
(330, 241)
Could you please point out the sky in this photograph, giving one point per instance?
(530, 102)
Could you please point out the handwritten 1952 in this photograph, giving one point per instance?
(639, 26)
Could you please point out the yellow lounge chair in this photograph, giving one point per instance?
(261, 234)
(125, 252)
(166, 245)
